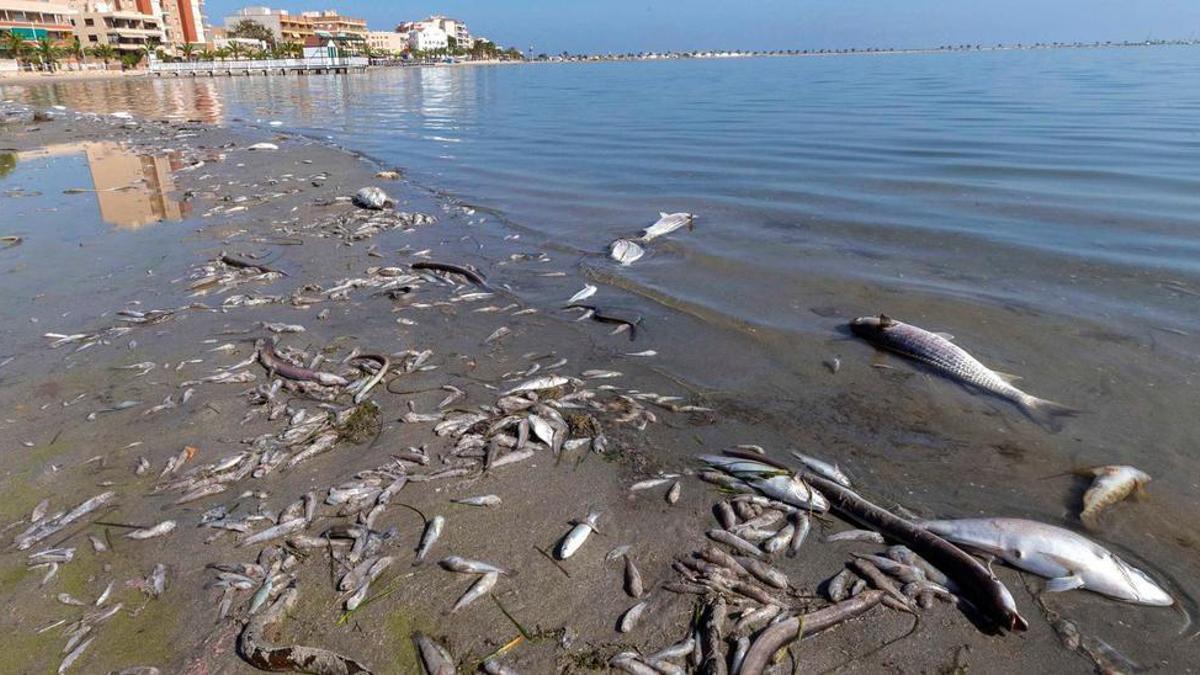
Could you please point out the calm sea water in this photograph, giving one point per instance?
(1042, 206)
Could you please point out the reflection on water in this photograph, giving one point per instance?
(132, 190)
(192, 99)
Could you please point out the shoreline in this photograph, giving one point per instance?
(298, 192)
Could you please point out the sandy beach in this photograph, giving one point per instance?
(154, 387)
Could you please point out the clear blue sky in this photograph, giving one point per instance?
(645, 25)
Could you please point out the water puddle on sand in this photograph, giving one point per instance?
(82, 220)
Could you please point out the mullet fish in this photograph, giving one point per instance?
(947, 358)
(667, 223)
(1067, 559)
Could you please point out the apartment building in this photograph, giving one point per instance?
(121, 25)
(309, 28)
(387, 41)
(37, 20)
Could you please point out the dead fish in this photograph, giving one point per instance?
(823, 469)
(735, 542)
(161, 529)
(462, 565)
(667, 223)
(617, 552)
(74, 655)
(434, 657)
(674, 493)
(650, 483)
(485, 500)
(625, 251)
(262, 146)
(587, 292)
(577, 535)
(633, 579)
(433, 530)
(372, 198)
(630, 618)
(480, 588)
(1067, 559)
(856, 535)
(802, 524)
(537, 384)
(281, 530)
(1113, 484)
(939, 353)
(780, 540)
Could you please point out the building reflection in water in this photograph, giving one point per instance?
(132, 190)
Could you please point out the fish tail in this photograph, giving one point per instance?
(1048, 414)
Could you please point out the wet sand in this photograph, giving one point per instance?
(300, 193)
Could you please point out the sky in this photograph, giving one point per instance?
(602, 26)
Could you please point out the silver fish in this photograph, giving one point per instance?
(947, 358)
(667, 223)
(587, 292)
(163, 528)
(856, 535)
(433, 530)
(823, 469)
(484, 500)
(477, 590)
(578, 534)
(1067, 559)
(630, 618)
(434, 657)
(625, 251)
(463, 565)
(547, 382)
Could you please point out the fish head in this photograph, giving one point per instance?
(1142, 589)
(871, 328)
(1006, 608)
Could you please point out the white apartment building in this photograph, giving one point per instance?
(435, 27)
(427, 38)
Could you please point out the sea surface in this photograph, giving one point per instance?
(1041, 206)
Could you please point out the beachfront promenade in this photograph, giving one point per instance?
(261, 66)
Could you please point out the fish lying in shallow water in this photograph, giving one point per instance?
(947, 358)
(1112, 484)
(667, 223)
(625, 251)
(1067, 559)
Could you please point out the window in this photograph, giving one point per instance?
(89, 22)
(93, 38)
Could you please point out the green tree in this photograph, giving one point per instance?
(131, 59)
(236, 49)
(188, 51)
(247, 28)
(105, 52)
(74, 49)
(15, 46)
(208, 55)
(47, 54)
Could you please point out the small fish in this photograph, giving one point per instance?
(462, 565)
(650, 483)
(537, 384)
(823, 469)
(587, 292)
(161, 529)
(485, 500)
(433, 530)
(625, 251)
(1113, 484)
(674, 493)
(630, 618)
(434, 657)
(856, 535)
(477, 590)
(779, 540)
(939, 353)
(802, 524)
(667, 223)
(733, 541)
(577, 535)
(633, 579)
(617, 552)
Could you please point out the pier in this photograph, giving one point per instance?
(233, 67)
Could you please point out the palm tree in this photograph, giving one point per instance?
(74, 49)
(105, 52)
(235, 50)
(131, 59)
(47, 53)
(15, 45)
(208, 55)
(187, 51)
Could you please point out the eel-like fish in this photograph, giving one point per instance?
(469, 274)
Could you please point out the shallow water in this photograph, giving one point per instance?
(1041, 206)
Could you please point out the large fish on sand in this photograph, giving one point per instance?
(939, 353)
(1067, 559)
(667, 223)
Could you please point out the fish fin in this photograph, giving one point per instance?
(663, 214)
(1007, 377)
(947, 336)
(1062, 584)
(1047, 414)
(886, 321)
